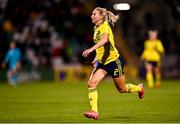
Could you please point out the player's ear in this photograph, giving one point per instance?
(101, 17)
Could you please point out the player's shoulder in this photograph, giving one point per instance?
(105, 23)
(146, 41)
(158, 41)
(18, 50)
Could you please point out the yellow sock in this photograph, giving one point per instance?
(93, 98)
(132, 88)
(149, 77)
(158, 79)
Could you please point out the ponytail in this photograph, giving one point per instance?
(111, 18)
(108, 15)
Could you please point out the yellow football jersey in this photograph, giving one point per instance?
(108, 52)
(153, 50)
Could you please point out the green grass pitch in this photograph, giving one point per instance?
(66, 102)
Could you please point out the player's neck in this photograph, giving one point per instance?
(99, 23)
(154, 39)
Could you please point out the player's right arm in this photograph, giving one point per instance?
(6, 60)
(3, 65)
(103, 41)
(142, 57)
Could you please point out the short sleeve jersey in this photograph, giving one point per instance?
(107, 53)
(153, 50)
(13, 57)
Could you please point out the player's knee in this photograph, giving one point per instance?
(149, 70)
(92, 84)
(158, 71)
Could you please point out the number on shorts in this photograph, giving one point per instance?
(116, 72)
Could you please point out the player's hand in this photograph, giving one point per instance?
(86, 52)
(18, 66)
(3, 65)
(141, 58)
(94, 62)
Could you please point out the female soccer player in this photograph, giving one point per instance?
(153, 49)
(107, 60)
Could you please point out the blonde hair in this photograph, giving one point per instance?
(107, 15)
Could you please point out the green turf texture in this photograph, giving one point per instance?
(48, 102)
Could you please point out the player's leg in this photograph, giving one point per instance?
(117, 73)
(158, 76)
(14, 77)
(11, 76)
(128, 88)
(16, 72)
(149, 75)
(95, 78)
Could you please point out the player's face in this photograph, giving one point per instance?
(152, 35)
(12, 45)
(95, 17)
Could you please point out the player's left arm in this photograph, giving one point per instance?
(18, 55)
(102, 42)
(18, 65)
(160, 48)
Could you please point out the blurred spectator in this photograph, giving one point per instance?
(57, 46)
(31, 58)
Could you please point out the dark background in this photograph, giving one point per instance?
(55, 32)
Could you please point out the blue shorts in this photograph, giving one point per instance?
(114, 68)
(153, 63)
(12, 66)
